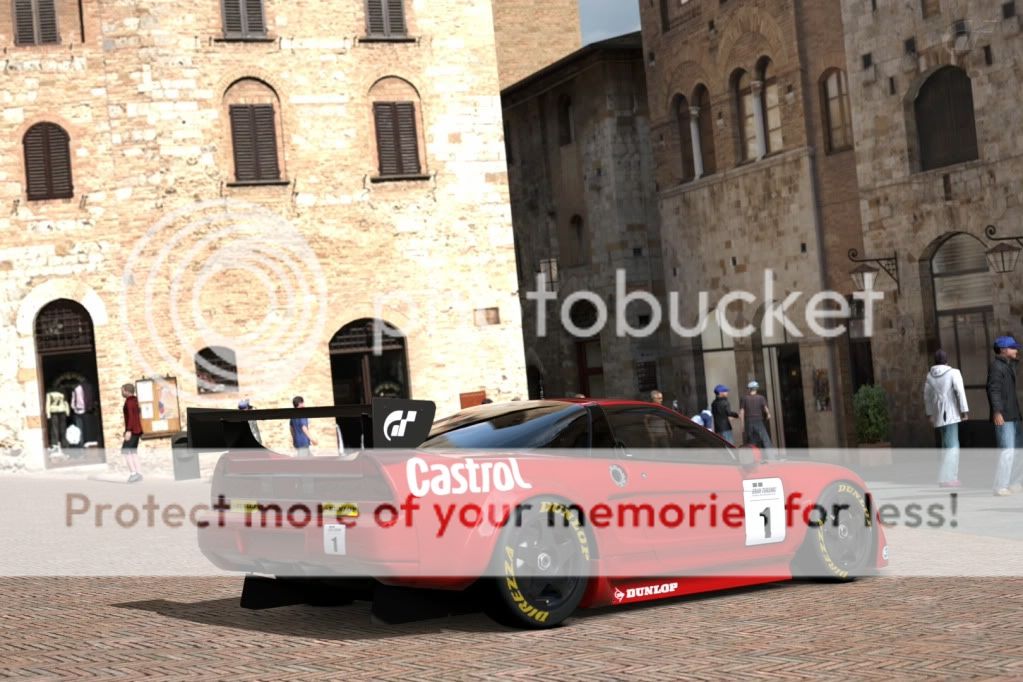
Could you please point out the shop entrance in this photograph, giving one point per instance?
(71, 417)
(359, 373)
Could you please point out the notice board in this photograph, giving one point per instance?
(158, 404)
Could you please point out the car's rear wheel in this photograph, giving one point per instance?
(540, 566)
(841, 538)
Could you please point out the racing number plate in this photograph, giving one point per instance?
(334, 538)
(764, 499)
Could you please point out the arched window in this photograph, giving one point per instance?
(742, 92)
(771, 102)
(254, 114)
(701, 98)
(566, 124)
(216, 370)
(685, 138)
(945, 124)
(368, 360)
(837, 114)
(47, 162)
(397, 119)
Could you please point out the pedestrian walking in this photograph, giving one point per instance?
(657, 428)
(722, 412)
(755, 415)
(300, 437)
(945, 403)
(132, 432)
(1005, 415)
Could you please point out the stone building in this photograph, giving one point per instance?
(752, 135)
(532, 34)
(584, 207)
(939, 154)
(230, 194)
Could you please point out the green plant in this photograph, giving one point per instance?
(870, 407)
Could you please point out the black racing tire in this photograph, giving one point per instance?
(540, 567)
(840, 544)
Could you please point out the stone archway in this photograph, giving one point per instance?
(368, 359)
(68, 383)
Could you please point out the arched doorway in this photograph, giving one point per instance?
(368, 360)
(963, 314)
(68, 384)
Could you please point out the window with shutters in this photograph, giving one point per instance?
(397, 140)
(254, 121)
(386, 19)
(47, 162)
(35, 22)
(701, 98)
(837, 114)
(397, 121)
(243, 19)
(944, 115)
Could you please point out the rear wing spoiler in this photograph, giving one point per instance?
(387, 423)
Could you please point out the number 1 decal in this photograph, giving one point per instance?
(764, 499)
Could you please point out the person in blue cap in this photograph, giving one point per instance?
(1005, 414)
(721, 411)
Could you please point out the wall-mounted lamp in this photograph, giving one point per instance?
(1002, 257)
(865, 274)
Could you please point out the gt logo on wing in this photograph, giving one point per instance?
(396, 422)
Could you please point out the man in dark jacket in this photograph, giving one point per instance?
(1005, 414)
(721, 411)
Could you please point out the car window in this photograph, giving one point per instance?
(654, 434)
(529, 428)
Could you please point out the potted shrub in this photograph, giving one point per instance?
(870, 410)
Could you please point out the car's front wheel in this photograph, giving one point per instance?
(841, 538)
(540, 566)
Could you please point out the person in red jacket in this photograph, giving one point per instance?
(132, 432)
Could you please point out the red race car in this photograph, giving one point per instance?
(540, 507)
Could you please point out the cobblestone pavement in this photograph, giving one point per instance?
(170, 628)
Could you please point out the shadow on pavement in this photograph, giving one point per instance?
(334, 623)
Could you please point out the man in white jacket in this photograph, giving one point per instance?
(945, 401)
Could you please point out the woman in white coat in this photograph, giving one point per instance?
(945, 401)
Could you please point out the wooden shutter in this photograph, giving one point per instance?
(243, 142)
(376, 25)
(267, 167)
(387, 140)
(24, 23)
(233, 27)
(408, 141)
(47, 163)
(395, 17)
(254, 139)
(48, 34)
(255, 26)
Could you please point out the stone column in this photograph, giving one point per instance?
(757, 88)
(694, 133)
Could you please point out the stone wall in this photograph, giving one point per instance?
(909, 212)
(604, 176)
(142, 100)
(532, 34)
